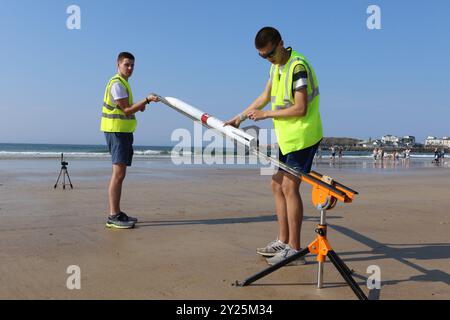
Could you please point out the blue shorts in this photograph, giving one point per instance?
(120, 146)
(300, 160)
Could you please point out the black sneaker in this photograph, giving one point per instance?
(127, 217)
(118, 221)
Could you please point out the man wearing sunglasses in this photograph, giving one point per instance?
(293, 92)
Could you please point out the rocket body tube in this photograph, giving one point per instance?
(211, 122)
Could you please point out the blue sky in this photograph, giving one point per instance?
(372, 82)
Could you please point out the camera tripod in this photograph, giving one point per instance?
(64, 172)
(323, 199)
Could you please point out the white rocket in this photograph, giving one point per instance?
(210, 121)
(313, 178)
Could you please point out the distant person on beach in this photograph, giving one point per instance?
(381, 153)
(118, 123)
(293, 89)
(341, 150)
(375, 153)
(407, 153)
(437, 155)
(333, 152)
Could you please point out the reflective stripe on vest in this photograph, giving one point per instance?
(118, 116)
(107, 106)
(288, 103)
(113, 118)
(295, 133)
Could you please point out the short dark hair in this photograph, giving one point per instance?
(124, 55)
(265, 36)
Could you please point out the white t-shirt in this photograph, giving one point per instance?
(118, 91)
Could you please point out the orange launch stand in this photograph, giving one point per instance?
(325, 194)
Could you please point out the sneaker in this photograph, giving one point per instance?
(118, 221)
(127, 217)
(272, 248)
(286, 253)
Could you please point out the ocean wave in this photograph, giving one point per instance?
(155, 153)
(149, 152)
(81, 155)
(40, 154)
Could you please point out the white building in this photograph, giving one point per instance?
(408, 140)
(390, 140)
(446, 141)
(437, 142)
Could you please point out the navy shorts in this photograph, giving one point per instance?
(300, 160)
(120, 146)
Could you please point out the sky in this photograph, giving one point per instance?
(373, 82)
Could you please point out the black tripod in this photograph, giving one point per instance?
(64, 172)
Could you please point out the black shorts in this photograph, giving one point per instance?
(120, 146)
(300, 160)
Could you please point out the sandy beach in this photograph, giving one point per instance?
(199, 228)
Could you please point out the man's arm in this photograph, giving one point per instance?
(129, 110)
(138, 106)
(257, 104)
(298, 109)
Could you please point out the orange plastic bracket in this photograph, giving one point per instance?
(320, 246)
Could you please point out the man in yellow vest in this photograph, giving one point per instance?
(294, 93)
(118, 123)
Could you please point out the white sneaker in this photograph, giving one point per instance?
(286, 253)
(272, 248)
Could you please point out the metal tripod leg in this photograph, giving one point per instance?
(345, 273)
(320, 275)
(271, 269)
(323, 222)
(54, 187)
(68, 177)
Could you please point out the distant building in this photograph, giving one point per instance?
(446, 141)
(408, 141)
(395, 141)
(390, 140)
(437, 142)
(377, 143)
(364, 143)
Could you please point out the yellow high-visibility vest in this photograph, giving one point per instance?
(113, 118)
(295, 133)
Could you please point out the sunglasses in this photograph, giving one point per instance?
(271, 53)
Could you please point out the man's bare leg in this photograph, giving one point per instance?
(280, 207)
(294, 207)
(115, 187)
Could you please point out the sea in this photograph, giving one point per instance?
(12, 154)
(33, 151)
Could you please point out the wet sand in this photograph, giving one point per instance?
(199, 228)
